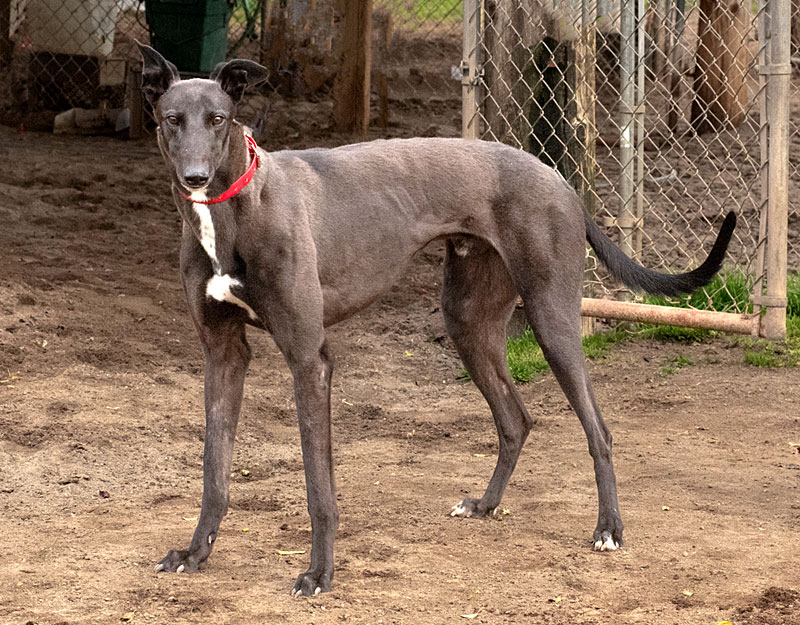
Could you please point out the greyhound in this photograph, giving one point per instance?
(313, 236)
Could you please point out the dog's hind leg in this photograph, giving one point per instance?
(477, 301)
(222, 332)
(552, 305)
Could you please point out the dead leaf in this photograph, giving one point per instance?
(290, 552)
(688, 593)
(128, 616)
(469, 616)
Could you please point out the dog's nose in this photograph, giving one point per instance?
(196, 179)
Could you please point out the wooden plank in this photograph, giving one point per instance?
(351, 86)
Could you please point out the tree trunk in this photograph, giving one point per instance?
(720, 99)
(297, 45)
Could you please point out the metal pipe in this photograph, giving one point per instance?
(638, 117)
(627, 90)
(773, 325)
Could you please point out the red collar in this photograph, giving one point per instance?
(241, 183)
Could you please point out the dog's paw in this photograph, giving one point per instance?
(605, 542)
(310, 583)
(470, 509)
(179, 561)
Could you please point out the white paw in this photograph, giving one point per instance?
(609, 544)
(460, 510)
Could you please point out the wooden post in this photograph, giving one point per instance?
(722, 59)
(383, 23)
(352, 84)
(135, 102)
(266, 19)
(676, 66)
(470, 69)
(779, 71)
(5, 25)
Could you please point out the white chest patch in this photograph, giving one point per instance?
(219, 288)
(207, 236)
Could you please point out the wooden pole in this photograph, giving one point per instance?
(5, 25)
(669, 315)
(470, 79)
(779, 70)
(384, 25)
(720, 99)
(135, 102)
(352, 84)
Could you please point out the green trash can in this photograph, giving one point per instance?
(193, 34)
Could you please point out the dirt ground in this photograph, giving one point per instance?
(101, 429)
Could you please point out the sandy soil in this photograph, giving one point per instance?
(101, 431)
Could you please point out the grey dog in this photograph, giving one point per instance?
(317, 235)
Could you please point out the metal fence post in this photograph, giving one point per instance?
(773, 323)
(470, 69)
(627, 139)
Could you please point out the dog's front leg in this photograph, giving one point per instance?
(222, 332)
(312, 381)
(297, 327)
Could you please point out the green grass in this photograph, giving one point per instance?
(526, 360)
(677, 362)
(729, 291)
(425, 10)
(761, 353)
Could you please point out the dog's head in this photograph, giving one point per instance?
(195, 116)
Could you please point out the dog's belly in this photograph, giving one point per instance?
(350, 292)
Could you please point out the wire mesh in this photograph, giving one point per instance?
(652, 113)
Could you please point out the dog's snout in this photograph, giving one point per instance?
(196, 179)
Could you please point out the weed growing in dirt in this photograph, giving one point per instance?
(526, 360)
(761, 353)
(678, 362)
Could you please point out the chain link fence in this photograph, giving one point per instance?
(656, 114)
(61, 54)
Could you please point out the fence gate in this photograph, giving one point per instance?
(663, 118)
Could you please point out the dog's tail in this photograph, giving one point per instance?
(638, 278)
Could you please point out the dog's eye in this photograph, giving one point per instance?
(218, 120)
(172, 120)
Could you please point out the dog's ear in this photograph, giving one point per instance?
(157, 74)
(235, 75)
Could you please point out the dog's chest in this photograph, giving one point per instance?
(207, 233)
